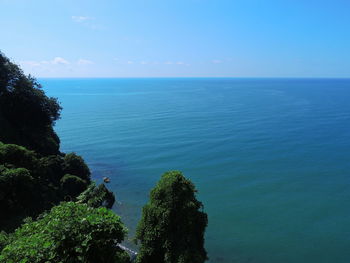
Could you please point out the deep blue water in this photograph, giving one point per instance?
(270, 157)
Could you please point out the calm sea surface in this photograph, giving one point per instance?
(270, 157)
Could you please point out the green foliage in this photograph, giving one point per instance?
(17, 156)
(72, 185)
(4, 239)
(18, 196)
(96, 196)
(29, 184)
(26, 113)
(74, 164)
(69, 233)
(172, 226)
(16, 191)
(36, 176)
(51, 167)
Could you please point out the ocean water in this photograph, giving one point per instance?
(270, 157)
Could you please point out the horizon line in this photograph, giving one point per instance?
(194, 77)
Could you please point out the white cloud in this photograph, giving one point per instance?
(30, 63)
(144, 62)
(87, 21)
(81, 19)
(216, 61)
(54, 61)
(84, 62)
(59, 60)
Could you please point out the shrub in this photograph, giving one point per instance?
(74, 164)
(17, 156)
(96, 196)
(16, 191)
(51, 168)
(4, 239)
(72, 185)
(69, 233)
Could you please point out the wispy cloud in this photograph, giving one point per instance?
(54, 61)
(216, 61)
(30, 63)
(87, 21)
(59, 60)
(84, 62)
(81, 19)
(144, 62)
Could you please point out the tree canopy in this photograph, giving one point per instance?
(172, 226)
(35, 177)
(29, 184)
(69, 233)
(27, 115)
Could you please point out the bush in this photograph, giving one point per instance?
(72, 185)
(4, 240)
(17, 156)
(74, 164)
(172, 224)
(51, 168)
(29, 186)
(96, 196)
(69, 233)
(16, 191)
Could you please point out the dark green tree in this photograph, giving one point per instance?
(74, 164)
(72, 185)
(97, 196)
(172, 226)
(27, 115)
(69, 233)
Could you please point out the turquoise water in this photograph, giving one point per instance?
(270, 157)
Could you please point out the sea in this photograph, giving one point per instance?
(270, 158)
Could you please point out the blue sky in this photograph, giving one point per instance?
(178, 38)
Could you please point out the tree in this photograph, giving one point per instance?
(97, 196)
(74, 164)
(72, 185)
(172, 226)
(34, 175)
(29, 184)
(27, 115)
(69, 233)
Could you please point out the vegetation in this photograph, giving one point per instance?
(70, 232)
(30, 184)
(97, 196)
(172, 226)
(26, 113)
(74, 164)
(35, 178)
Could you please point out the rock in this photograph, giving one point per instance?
(106, 179)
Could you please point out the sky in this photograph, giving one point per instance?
(177, 38)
